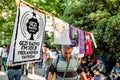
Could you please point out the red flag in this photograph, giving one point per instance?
(88, 44)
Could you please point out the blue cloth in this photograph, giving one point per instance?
(14, 74)
(40, 63)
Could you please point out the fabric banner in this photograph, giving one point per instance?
(74, 36)
(93, 39)
(49, 23)
(88, 44)
(27, 36)
(81, 42)
(61, 32)
(74, 41)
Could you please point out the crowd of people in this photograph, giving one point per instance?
(65, 64)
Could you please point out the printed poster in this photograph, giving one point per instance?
(61, 32)
(27, 35)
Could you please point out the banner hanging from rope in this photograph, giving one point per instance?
(61, 32)
(27, 36)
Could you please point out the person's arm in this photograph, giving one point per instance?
(17, 3)
(83, 75)
(50, 76)
(92, 79)
(119, 75)
(80, 71)
(9, 65)
(113, 73)
(102, 68)
(47, 56)
(93, 66)
(103, 77)
(51, 72)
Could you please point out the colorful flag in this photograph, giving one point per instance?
(81, 42)
(88, 44)
(61, 32)
(27, 35)
(73, 35)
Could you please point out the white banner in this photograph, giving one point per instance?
(93, 39)
(61, 32)
(49, 23)
(27, 36)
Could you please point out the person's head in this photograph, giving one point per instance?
(54, 48)
(96, 71)
(5, 46)
(99, 62)
(84, 60)
(66, 51)
(45, 47)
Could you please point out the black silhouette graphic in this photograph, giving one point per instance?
(32, 26)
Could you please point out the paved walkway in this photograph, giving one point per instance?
(37, 76)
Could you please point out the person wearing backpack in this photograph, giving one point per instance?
(65, 66)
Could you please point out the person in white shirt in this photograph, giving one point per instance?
(4, 58)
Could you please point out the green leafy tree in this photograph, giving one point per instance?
(8, 12)
(100, 17)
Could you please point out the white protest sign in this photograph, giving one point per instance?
(27, 36)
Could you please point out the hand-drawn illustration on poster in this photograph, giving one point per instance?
(61, 32)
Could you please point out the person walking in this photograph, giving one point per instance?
(1, 52)
(65, 66)
(47, 59)
(14, 72)
(4, 58)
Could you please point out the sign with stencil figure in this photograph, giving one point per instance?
(27, 36)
